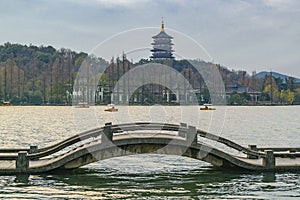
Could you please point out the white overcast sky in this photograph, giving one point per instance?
(240, 34)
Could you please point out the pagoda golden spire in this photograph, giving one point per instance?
(162, 25)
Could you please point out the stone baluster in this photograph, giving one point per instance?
(191, 135)
(253, 148)
(182, 130)
(107, 135)
(22, 162)
(269, 160)
(33, 149)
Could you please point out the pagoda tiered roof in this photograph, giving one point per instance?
(162, 34)
(162, 45)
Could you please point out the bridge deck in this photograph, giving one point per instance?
(280, 162)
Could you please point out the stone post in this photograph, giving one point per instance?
(191, 135)
(269, 160)
(107, 136)
(293, 153)
(253, 148)
(33, 149)
(22, 162)
(182, 130)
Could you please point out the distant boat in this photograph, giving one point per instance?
(6, 103)
(111, 108)
(82, 105)
(207, 107)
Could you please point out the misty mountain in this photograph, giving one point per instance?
(276, 75)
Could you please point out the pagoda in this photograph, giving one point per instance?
(162, 45)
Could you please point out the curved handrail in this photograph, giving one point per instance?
(48, 150)
(74, 137)
(60, 146)
(81, 152)
(78, 138)
(229, 143)
(138, 126)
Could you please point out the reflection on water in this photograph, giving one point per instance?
(149, 176)
(269, 177)
(22, 178)
(117, 178)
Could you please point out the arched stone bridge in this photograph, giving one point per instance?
(136, 138)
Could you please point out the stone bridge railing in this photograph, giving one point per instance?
(22, 156)
(35, 153)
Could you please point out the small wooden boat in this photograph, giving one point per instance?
(111, 108)
(207, 107)
(6, 103)
(82, 105)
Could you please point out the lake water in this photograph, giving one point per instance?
(151, 176)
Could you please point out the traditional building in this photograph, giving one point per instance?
(239, 89)
(162, 45)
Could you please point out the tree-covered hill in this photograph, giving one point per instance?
(32, 75)
(284, 78)
(37, 75)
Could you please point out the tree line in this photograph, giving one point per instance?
(32, 75)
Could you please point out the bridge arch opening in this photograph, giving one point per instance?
(146, 146)
(149, 163)
(153, 93)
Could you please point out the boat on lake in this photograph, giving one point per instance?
(207, 107)
(111, 108)
(6, 103)
(82, 105)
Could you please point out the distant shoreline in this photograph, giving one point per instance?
(250, 105)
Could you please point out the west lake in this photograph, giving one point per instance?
(151, 176)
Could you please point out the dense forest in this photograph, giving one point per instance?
(242, 88)
(37, 75)
(31, 75)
